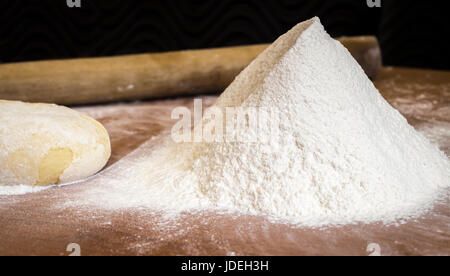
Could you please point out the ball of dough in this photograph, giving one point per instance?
(44, 144)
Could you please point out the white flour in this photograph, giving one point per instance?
(345, 155)
(19, 190)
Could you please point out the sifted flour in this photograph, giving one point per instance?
(343, 154)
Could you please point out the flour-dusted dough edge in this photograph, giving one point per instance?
(45, 144)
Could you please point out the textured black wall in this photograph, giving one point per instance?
(416, 33)
(48, 29)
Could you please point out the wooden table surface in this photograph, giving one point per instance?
(36, 224)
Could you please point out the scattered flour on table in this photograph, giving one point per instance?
(19, 190)
(342, 154)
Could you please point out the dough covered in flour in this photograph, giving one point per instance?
(43, 144)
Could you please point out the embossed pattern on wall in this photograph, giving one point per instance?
(48, 29)
(410, 32)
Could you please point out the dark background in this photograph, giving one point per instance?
(411, 33)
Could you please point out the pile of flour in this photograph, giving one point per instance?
(339, 153)
(344, 153)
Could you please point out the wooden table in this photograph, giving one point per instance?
(32, 225)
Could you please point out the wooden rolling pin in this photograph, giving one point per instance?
(145, 76)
